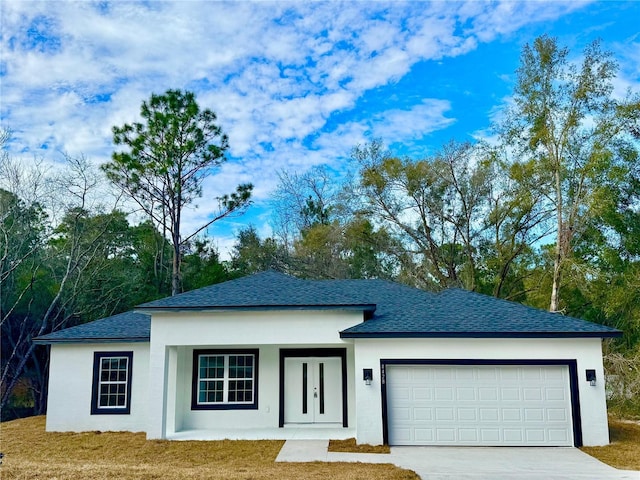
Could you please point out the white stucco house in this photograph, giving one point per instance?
(271, 356)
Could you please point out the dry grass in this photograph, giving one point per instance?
(350, 446)
(30, 452)
(624, 450)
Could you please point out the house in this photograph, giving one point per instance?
(272, 356)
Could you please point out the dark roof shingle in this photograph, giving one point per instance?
(393, 310)
(124, 327)
(460, 313)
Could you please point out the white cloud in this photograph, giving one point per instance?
(285, 78)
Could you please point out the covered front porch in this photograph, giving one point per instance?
(290, 392)
(288, 432)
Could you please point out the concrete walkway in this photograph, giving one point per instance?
(469, 463)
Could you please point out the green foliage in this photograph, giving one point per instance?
(570, 135)
(433, 207)
(353, 249)
(165, 161)
(202, 266)
(251, 254)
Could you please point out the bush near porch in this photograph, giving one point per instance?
(31, 452)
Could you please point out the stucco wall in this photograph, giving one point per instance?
(70, 382)
(173, 338)
(587, 352)
(267, 414)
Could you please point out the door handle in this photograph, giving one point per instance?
(315, 392)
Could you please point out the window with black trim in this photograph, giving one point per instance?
(111, 390)
(225, 379)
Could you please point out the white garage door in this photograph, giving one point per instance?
(479, 405)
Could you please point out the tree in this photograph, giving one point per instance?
(303, 200)
(517, 222)
(203, 266)
(570, 133)
(167, 158)
(352, 248)
(57, 278)
(251, 254)
(434, 208)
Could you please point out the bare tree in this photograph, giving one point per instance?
(61, 258)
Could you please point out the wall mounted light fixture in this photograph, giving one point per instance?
(591, 377)
(367, 375)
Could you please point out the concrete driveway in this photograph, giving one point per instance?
(504, 463)
(470, 463)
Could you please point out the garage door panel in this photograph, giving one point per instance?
(445, 435)
(425, 435)
(422, 394)
(555, 394)
(490, 435)
(401, 393)
(532, 374)
(468, 434)
(557, 415)
(510, 394)
(511, 415)
(401, 414)
(534, 435)
(558, 435)
(467, 415)
(423, 414)
(489, 414)
(464, 374)
(443, 374)
(488, 394)
(533, 415)
(403, 435)
(507, 374)
(532, 394)
(444, 414)
(466, 394)
(479, 405)
(443, 394)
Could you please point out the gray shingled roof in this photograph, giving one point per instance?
(392, 310)
(266, 289)
(460, 313)
(124, 327)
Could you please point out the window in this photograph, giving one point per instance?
(111, 391)
(225, 379)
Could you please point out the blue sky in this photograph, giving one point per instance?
(294, 84)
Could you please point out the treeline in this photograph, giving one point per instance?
(547, 213)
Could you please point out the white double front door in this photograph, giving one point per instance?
(313, 390)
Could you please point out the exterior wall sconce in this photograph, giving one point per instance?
(591, 377)
(367, 375)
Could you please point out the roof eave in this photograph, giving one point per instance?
(50, 341)
(368, 307)
(347, 334)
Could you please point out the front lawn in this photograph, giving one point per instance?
(350, 446)
(624, 450)
(30, 452)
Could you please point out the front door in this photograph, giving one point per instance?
(313, 390)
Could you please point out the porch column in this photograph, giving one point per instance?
(170, 391)
(158, 373)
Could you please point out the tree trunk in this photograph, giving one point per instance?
(555, 288)
(560, 238)
(175, 274)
